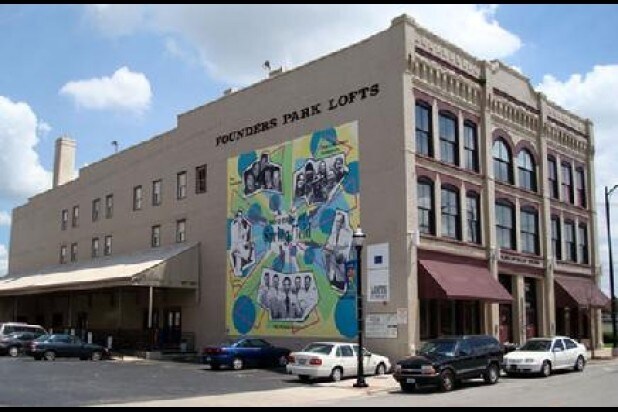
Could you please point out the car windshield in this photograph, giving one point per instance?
(537, 346)
(439, 347)
(323, 348)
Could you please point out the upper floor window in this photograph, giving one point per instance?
(529, 231)
(449, 139)
(181, 185)
(108, 246)
(64, 219)
(137, 198)
(156, 193)
(556, 237)
(109, 206)
(96, 208)
(424, 136)
(450, 213)
(473, 216)
(505, 225)
(425, 206)
(581, 187)
(503, 162)
(95, 247)
(552, 171)
(569, 241)
(582, 243)
(63, 254)
(471, 146)
(527, 170)
(200, 179)
(567, 183)
(74, 252)
(75, 222)
(155, 239)
(181, 231)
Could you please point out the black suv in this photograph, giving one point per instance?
(445, 361)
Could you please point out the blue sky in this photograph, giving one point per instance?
(103, 73)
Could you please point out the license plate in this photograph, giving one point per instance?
(410, 380)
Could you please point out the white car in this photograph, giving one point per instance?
(334, 360)
(543, 355)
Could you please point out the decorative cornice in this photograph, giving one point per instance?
(447, 52)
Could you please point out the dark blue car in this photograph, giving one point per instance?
(241, 353)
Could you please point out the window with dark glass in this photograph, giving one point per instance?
(109, 206)
(75, 221)
(74, 252)
(181, 231)
(137, 198)
(556, 237)
(552, 170)
(63, 254)
(567, 183)
(529, 231)
(64, 219)
(527, 170)
(425, 206)
(96, 208)
(505, 225)
(200, 179)
(582, 241)
(108, 246)
(449, 148)
(569, 242)
(156, 193)
(156, 236)
(424, 139)
(581, 187)
(471, 146)
(95, 247)
(473, 211)
(450, 212)
(503, 162)
(181, 185)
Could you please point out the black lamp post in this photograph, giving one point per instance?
(608, 192)
(358, 239)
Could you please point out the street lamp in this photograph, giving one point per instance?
(358, 238)
(608, 192)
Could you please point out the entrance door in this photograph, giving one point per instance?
(506, 311)
(173, 327)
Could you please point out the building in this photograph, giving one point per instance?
(476, 193)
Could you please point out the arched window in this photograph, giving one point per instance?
(503, 162)
(567, 183)
(527, 170)
(424, 138)
(426, 209)
(505, 225)
(556, 237)
(471, 146)
(451, 226)
(529, 230)
(552, 169)
(449, 139)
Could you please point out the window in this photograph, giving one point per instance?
(505, 225)
(74, 252)
(75, 222)
(425, 206)
(156, 236)
(473, 211)
(570, 344)
(502, 162)
(181, 185)
(558, 344)
(63, 254)
(449, 141)
(108, 246)
(527, 170)
(450, 213)
(569, 240)
(553, 177)
(109, 206)
(529, 231)
(64, 219)
(581, 187)
(96, 208)
(156, 193)
(347, 351)
(200, 179)
(567, 183)
(556, 237)
(181, 231)
(424, 137)
(137, 198)
(582, 243)
(95, 247)
(471, 146)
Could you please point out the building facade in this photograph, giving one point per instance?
(476, 192)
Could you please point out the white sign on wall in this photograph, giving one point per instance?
(381, 325)
(378, 276)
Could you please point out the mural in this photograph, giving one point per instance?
(291, 213)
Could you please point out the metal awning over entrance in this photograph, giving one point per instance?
(174, 266)
(579, 292)
(459, 281)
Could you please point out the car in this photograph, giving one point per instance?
(544, 355)
(245, 352)
(15, 343)
(334, 360)
(50, 347)
(448, 360)
(7, 328)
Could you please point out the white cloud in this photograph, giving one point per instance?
(21, 173)
(4, 260)
(234, 40)
(5, 219)
(43, 129)
(124, 90)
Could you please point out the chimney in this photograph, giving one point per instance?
(64, 160)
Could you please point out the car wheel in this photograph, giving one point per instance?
(546, 369)
(447, 381)
(492, 374)
(304, 378)
(407, 387)
(381, 369)
(579, 364)
(49, 356)
(14, 351)
(336, 374)
(282, 361)
(96, 356)
(237, 364)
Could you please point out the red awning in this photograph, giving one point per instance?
(583, 292)
(461, 281)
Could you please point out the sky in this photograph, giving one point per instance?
(103, 73)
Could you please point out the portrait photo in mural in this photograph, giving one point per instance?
(291, 210)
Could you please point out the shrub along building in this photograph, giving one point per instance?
(475, 191)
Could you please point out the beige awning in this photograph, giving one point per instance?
(174, 266)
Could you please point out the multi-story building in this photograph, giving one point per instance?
(475, 191)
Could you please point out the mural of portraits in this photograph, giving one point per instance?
(316, 180)
(287, 297)
(262, 175)
(242, 250)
